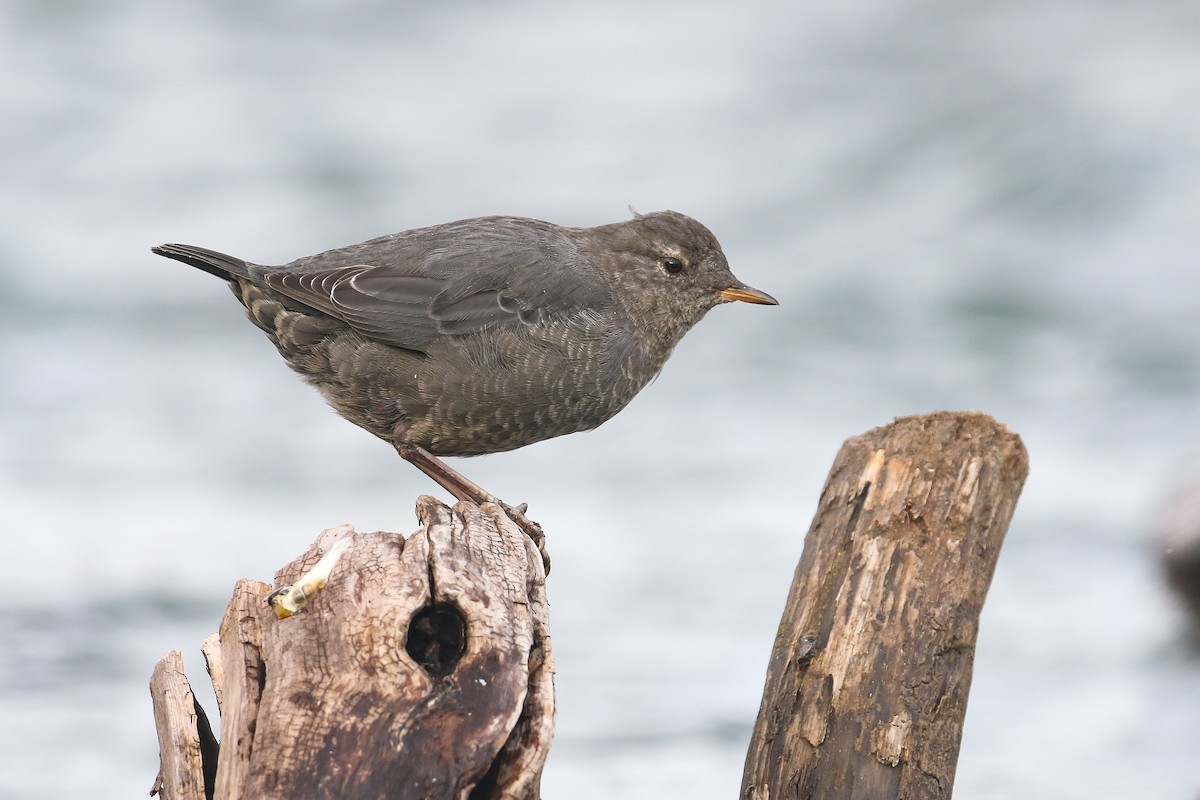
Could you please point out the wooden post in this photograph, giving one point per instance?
(867, 683)
(420, 669)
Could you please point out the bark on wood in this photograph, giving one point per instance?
(422, 669)
(868, 680)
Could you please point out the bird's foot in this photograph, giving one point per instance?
(457, 484)
(532, 529)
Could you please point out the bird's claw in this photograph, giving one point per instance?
(532, 529)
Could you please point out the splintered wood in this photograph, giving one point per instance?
(868, 680)
(420, 668)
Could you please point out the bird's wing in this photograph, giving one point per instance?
(393, 309)
(410, 303)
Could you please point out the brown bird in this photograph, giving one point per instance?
(486, 334)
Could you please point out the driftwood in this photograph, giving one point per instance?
(868, 679)
(422, 669)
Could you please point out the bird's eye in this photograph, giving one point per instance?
(671, 265)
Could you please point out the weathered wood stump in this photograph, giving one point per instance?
(867, 683)
(421, 669)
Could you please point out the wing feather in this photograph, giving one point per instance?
(409, 290)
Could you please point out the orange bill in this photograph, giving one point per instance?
(748, 295)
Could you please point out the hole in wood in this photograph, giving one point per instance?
(437, 638)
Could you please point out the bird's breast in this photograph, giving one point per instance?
(503, 390)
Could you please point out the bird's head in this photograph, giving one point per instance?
(668, 271)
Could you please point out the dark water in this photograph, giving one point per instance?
(960, 205)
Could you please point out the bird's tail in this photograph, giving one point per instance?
(210, 261)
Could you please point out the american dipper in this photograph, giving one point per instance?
(486, 334)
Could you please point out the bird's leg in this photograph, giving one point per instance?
(443, 474)
(462, 488)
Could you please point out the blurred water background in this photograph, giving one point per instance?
(959, 204)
